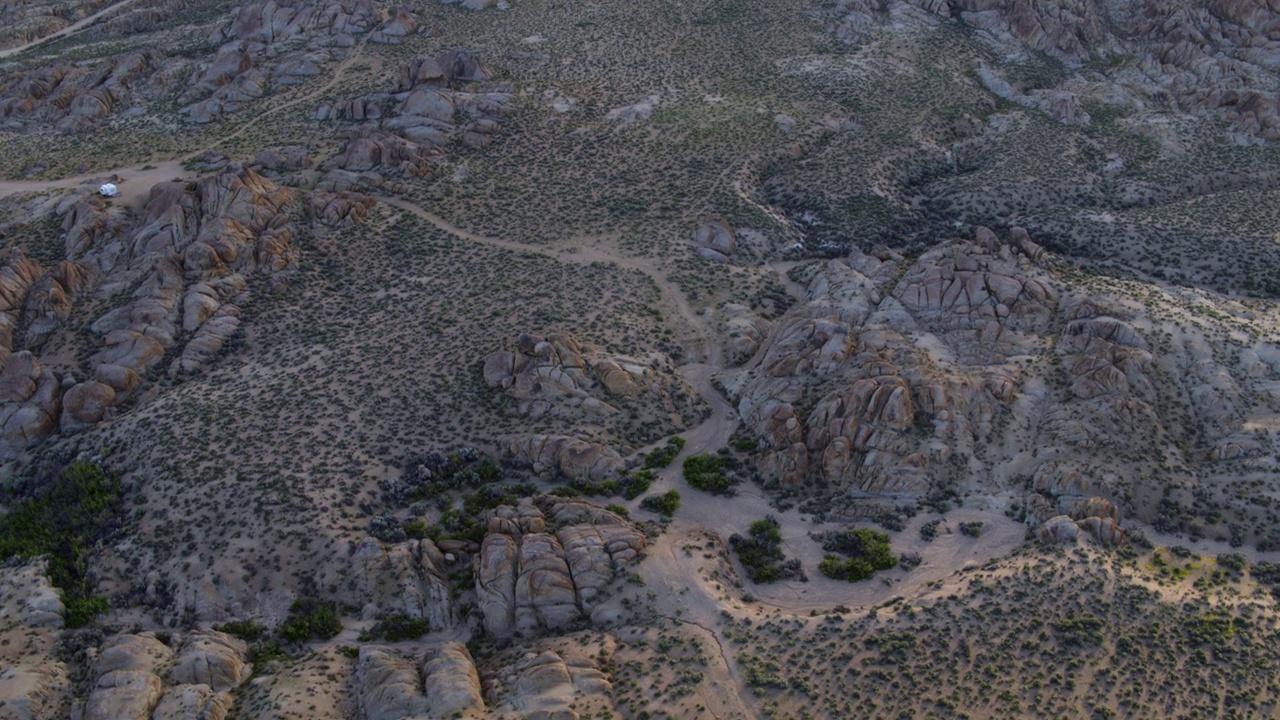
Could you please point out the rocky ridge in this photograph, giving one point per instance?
(978, 366)
(547, 565)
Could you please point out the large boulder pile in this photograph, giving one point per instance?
(406, 578)
(441, 683)
(557, 373)
(565, 456)
(547, 566)
(974, 367)
(183, 269)
(138, 676)
(406, 131)
(1215, 60)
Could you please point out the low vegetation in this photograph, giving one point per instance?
(856, 554)
(707, 473)
(665, 504)
(311, 619)
(75, 509)
(761, 555)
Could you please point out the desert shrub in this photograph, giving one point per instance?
(633, 485)
(75, 510)
(706, 473)
(760, 673)
(415, 528)
(972, 529)
(1234, 562)
(929, 530)
(246, 630)
(663, 456)
(1080, 631)
(761, 553)
(862, 552)
(664, 504)
(890, 521)
(396, 627)
(311, 619)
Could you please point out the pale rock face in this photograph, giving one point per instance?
(552, 681)
(193, 702)
(406, 578)
(451, 682)
(746, 330)
(388, 686)
(545, 596)
(33, 682)
(1059, 530)
(567, 456)
(528, 580)
(496, 584)
(717, 235)
(214, 659)
(124, 695)
(559, 374)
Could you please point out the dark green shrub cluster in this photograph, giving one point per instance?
(464, 523)
(246, 630)
(432, 475)
(311, 619)
(75, 510)
(1080, 630)
(862, 552)
(664, 504)
(760, 673)
(663, 456)
(706, 473)
(971, 529)
(627, 485)
(761, 553)
(929, 530)
(396, 627)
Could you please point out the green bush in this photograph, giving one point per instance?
(246, 630)
(664, 504)
(706, 473)
(415, 528)
(311, 619)
(75, 511)
(761, 553)
(396, 627)
(663, 456)
(635, 485)
(862, 552)
(972, 529)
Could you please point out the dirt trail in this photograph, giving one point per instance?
(134, 183)
(73, 27)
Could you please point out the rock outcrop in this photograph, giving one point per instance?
(531, 575)
(557, 374)
(390, 686)
(975, 367)
(131, 672)
(407, 578)
(561, 455)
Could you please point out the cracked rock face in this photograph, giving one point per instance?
(557, 374)
(546, 571)
(140, 677)
(977, 367)
(441, 683)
